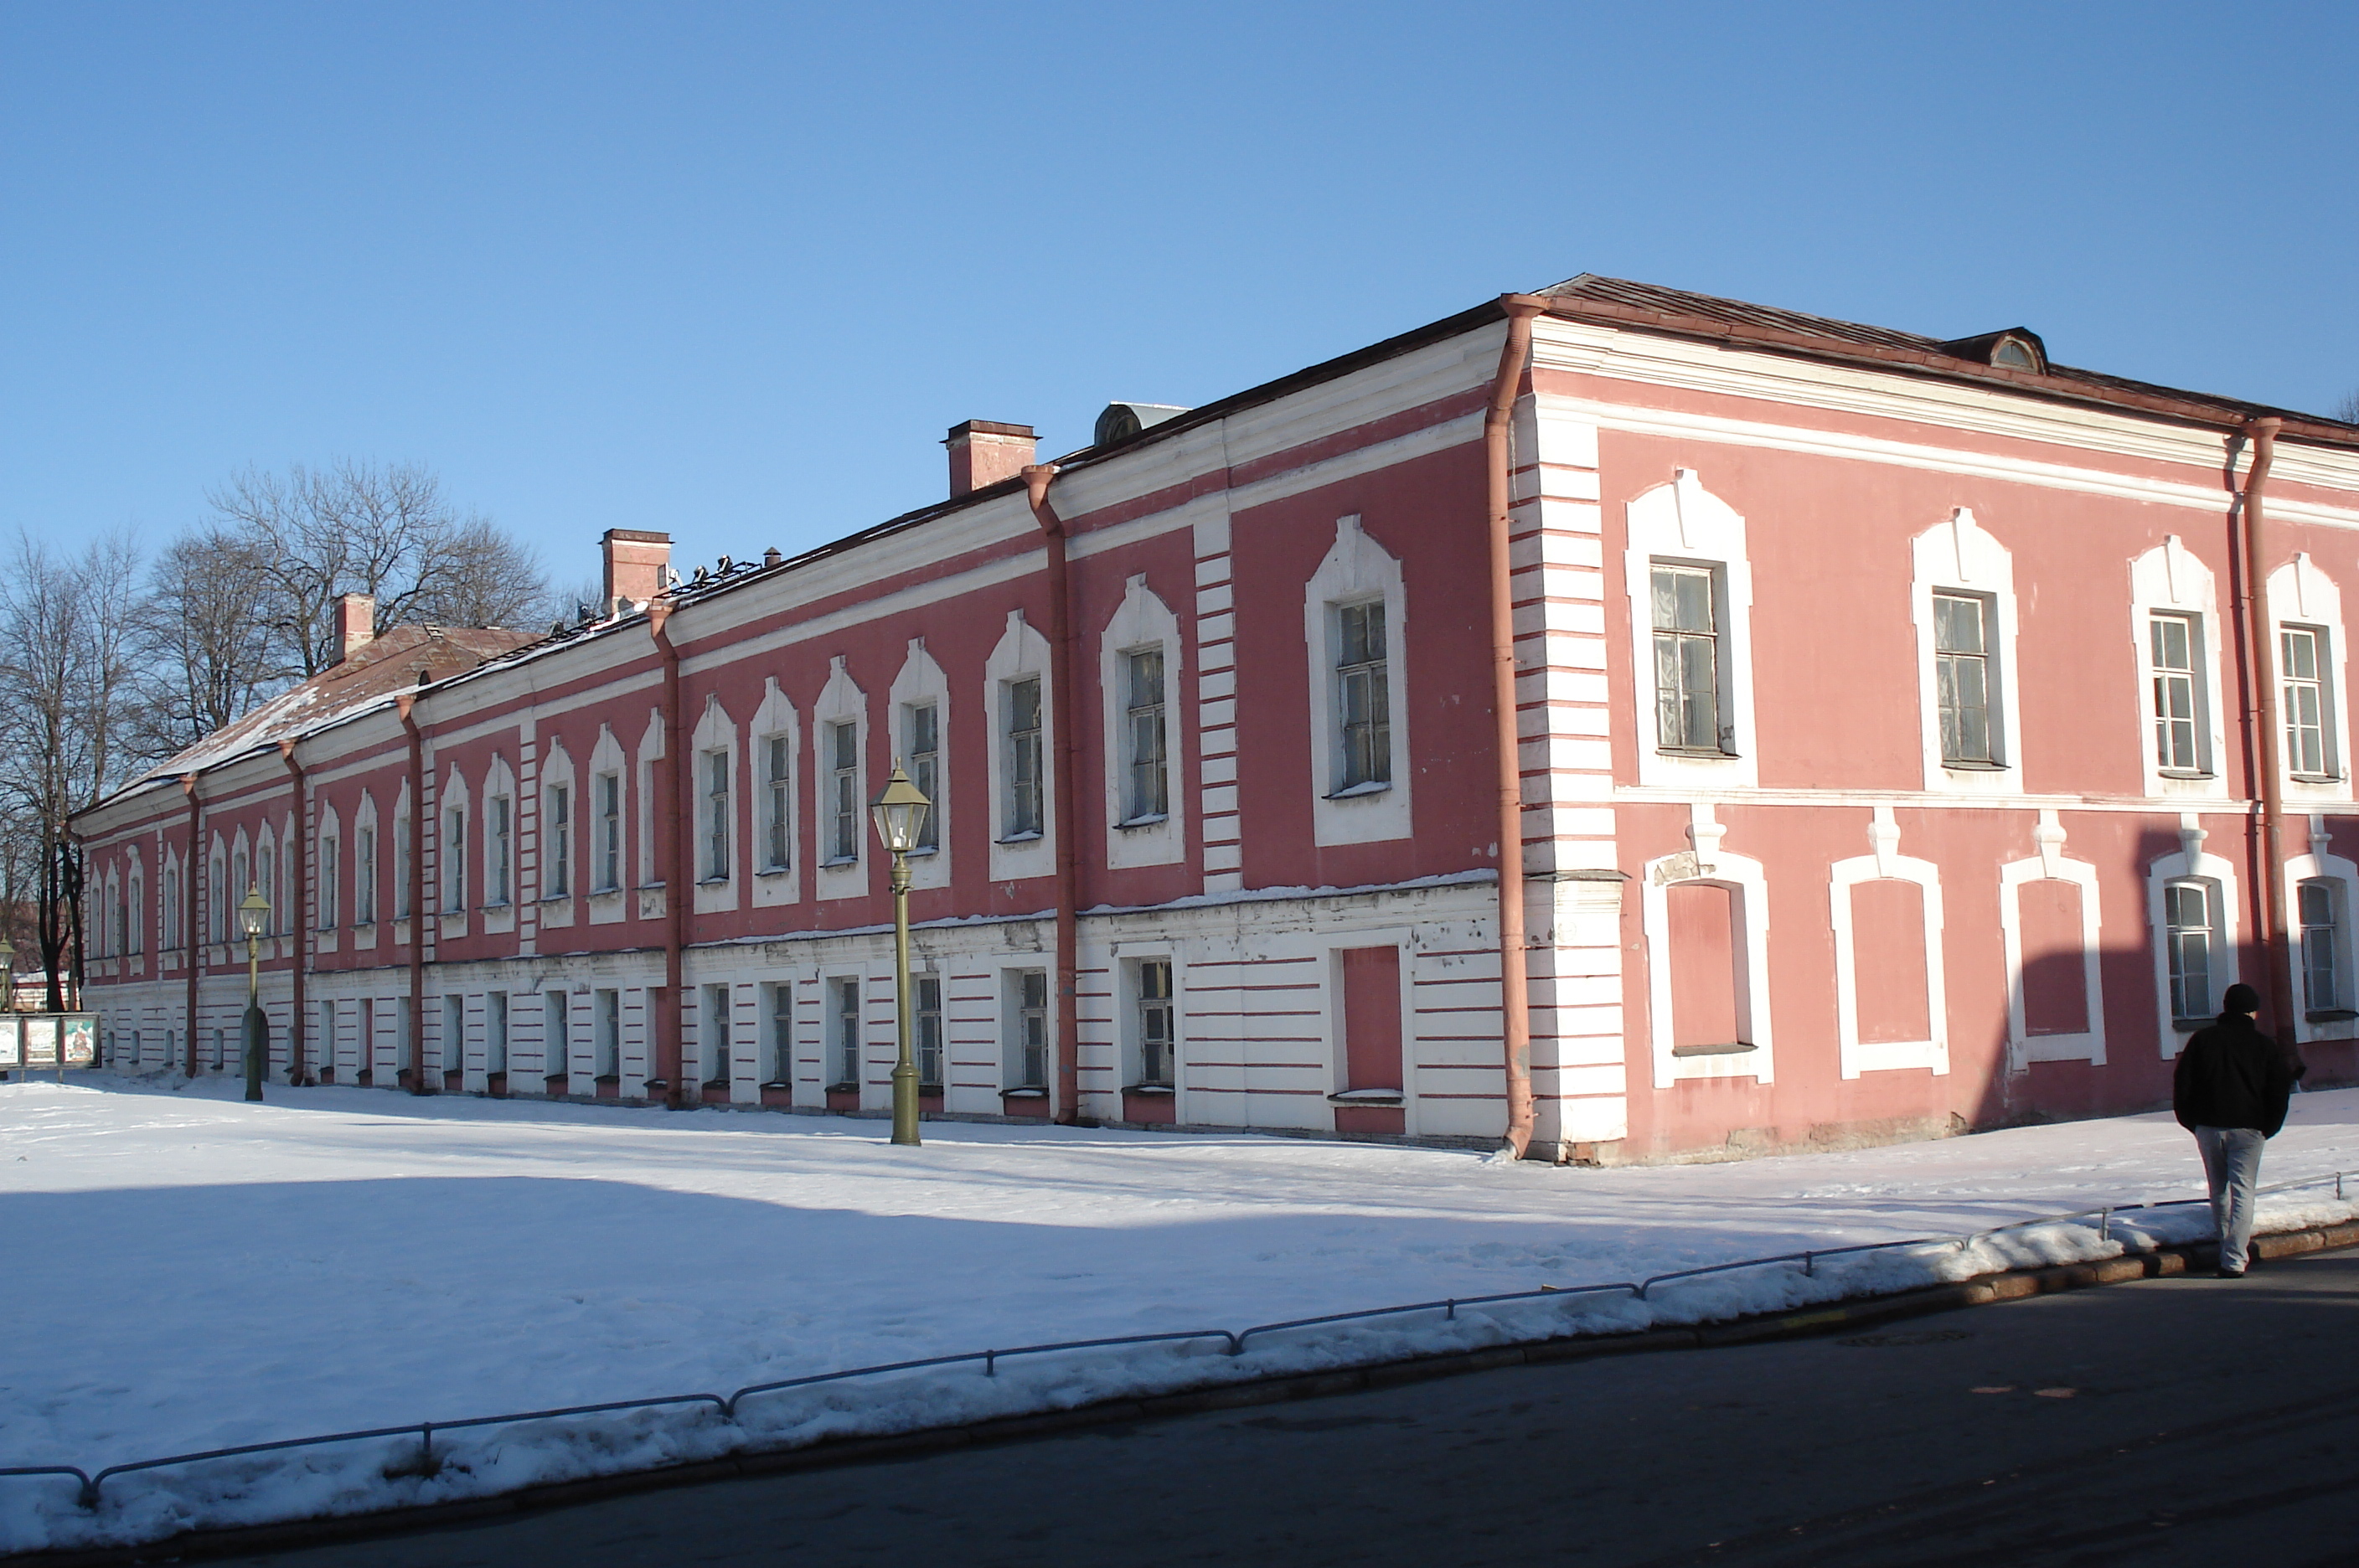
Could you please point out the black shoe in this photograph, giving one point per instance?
(2232, 1273)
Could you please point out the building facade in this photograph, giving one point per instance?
(1890, 736)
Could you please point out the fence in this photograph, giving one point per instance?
(1234, 1341)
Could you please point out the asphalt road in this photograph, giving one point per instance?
(2169, 1421)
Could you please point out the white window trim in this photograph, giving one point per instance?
(649, 876)
(922, 681)
(2170, 580)
(2050, 864)
(2190, 862)
(2302, 595)
(1959, 556)
(1126, 957)
(1011, 1012)
(1142, 621)
(827, 975)
(2322, 863)
(1339, 1066)
(839, 702)
(556, 772)
(1707, 863)
(450, 912)
(1357, 569)
(1021, 654)
(776, 717)
(1885, 863)
(565, 1011)
(365, 825)
(1683, 524)
(716, 732)
(608, 905)
(499, 784)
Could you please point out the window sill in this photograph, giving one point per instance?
(1732, 1048)
(712, 882)
(842, 1089)
(1366, 1097)
(1949, 767)
(2189, 1026)
(2314, 778)
(494, 908)
(774, 871)
(2330, 1015)
(1147, 1089)
(1156, 821)
(560, 897)
(841, 863)
(1696, 754)
(1021, 838)
(608, 1078)
(1360, 791)
(716, 1082)
(1028, 1092)
(925, 849)
(2183, 773)
(778, 1084)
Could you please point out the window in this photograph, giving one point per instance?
(495, 1032)
(844, 992)
(1687, 659)
(1156, 1017)
(266, 878)
(401, 864)
(777, 805)
(1028, 1058)
(608, 1007)
(454, 1034)
(556, 1036)
(1025, 807)
(1363, 697)
(716, 816)
(557, 835)
(364, 1045)
(327, 881)
(172, 908)
(928, 1001)
(844, 793)
(1962, 683)
(2187, 916)
(364, 877)
(137, 929)
(234, 894)
(922, 748)
(1148, 797)
(2301, 674)
(2324, 987)
(609, 831)
(496, 851)
(221, 1049)
(2176, 644)
(716, 1036)
(219, 900)
(782, 1034)
(454, 860)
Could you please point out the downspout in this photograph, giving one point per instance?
(302, 909)
(1066, 1107)
(414, 874)
(1515, 983)
(190, 946)
(677, 895)
(2269, 745)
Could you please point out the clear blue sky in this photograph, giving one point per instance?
(732, 270)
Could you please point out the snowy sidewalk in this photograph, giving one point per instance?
(187, 1271)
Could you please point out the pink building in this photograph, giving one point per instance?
(1909, 735)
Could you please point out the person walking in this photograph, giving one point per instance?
(2230, 1089)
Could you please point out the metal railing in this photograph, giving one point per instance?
(425, 1464)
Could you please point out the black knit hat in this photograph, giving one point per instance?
(2241, 998)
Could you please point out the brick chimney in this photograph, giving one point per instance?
(355, 624)
(983, 452)
(636, 563)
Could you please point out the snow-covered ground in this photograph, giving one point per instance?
(186, 1271)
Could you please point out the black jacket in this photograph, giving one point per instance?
(2232, 1075)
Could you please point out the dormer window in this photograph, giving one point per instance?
(2013, 354)
(2015, 348)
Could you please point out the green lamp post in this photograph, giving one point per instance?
(899, 811)
(253, 915)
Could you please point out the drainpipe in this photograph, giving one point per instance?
(1066, 1107)
(1515, 984)
(2269, 744)
(302, 909)
(677, 895)
(191, 947)
(406, 705)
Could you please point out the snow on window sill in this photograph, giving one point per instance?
(1027, 1092)
(1360, 791)
(1022, 838)
(840, 863)
(1156, 821)
(712, 882)
(774, 871)
(1147, 1089)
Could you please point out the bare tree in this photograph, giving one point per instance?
(205, 645)
(67, 647)
(387, 531)
(2347, 410)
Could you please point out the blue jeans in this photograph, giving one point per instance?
(2232, 1163)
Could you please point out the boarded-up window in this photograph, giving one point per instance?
(1371, 1018)
(1702, 919)
(1887, 923)
(2055, 988)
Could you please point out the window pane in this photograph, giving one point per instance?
(1958, 624)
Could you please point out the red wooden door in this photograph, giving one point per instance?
(1372, 1037)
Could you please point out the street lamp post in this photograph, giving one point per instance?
(252, 914)
(899, 811)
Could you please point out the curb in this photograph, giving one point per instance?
(1988, 1290)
